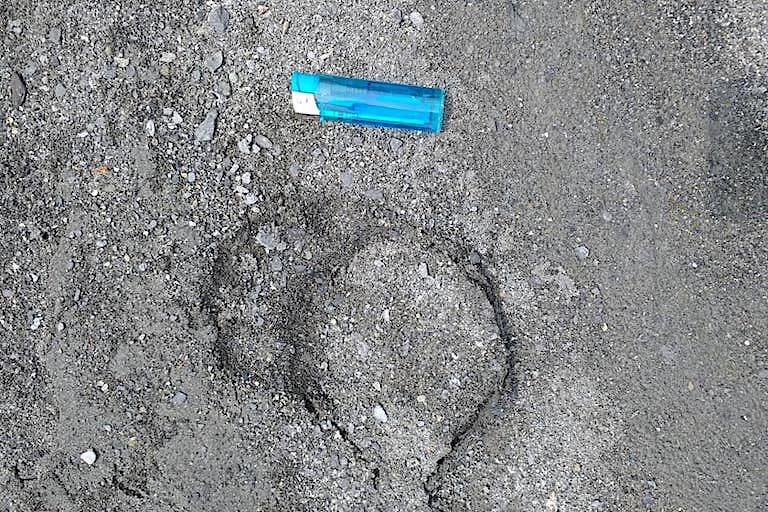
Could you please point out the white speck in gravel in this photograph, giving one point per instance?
(374, 195)
(395, 145)
(218, 19)
(241, 189)
(7, 293)
(149, 128)
(88, 456)
(251, 199)
(205, 130)
(276, 264)
(15, 26)
(214, 61)
(582, 252)
(244, 145)
(178, 398)
(263, 142)
(423, 270)
(266, 238)
(122, 62)
(35, 323)
(59, 90)
(245, 178)
(167, 57)
(176, 118)
(379, 413)
(191, 176)
(60, 326)
(294, 170)
(416, 18)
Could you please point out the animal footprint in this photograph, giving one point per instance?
(404, 348)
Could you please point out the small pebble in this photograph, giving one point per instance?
(222, 88)
(245, 178)
(18, 89)
(416, 18)
(122, 62)
(347, 179)
(251, 199)
(218, 19)
(379, 413)
(88, 456)
(244, 145)
(191, 176)
(396, 16)
(395, 145)
(214, 61)
(294, 170)
(178, 398)
(167, 57)
(276, 264)
(7, 293)
(423, 270)
(59, 90)
(374, 195)
(263, 142)
(54, 35)
(582, 252)
(35, 323)
(266, 238)
(15, 26)
(205, 130)
(149, 128)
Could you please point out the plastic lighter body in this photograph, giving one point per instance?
(351, 100)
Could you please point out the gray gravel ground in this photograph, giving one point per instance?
(211, 304)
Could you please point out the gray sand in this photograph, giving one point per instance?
(212, 304)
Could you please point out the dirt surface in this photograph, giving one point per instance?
(560, 303)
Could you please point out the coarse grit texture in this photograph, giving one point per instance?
(558, 304)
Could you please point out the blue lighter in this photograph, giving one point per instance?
(351, 100)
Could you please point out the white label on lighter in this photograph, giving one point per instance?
(304, 103)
